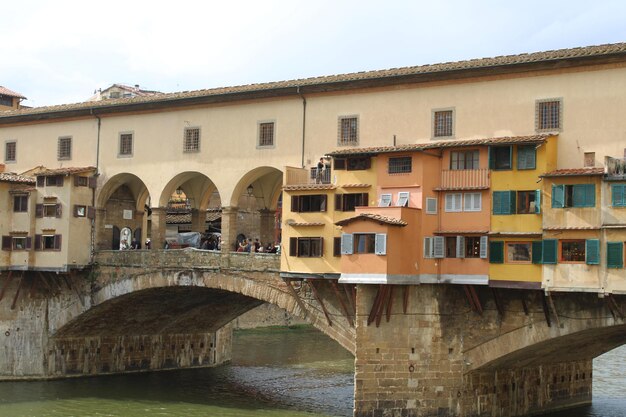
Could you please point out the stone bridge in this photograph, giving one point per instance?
(420, 350)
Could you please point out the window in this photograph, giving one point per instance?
(80, 211)
(615, 254)
(504, 202)
(266, 134)
(431, 205)
(618, 195)
(385, 200)
(572, 251)
(6, 100)
(500, 157)
(453, 202)
(464, 160)
(10, 151)
(20, 203)
(306, 247)
(496, 252)
(126, 144)
(50, 181)
(548, 114)
(347, 202)
(357, 163)
(472, 201)
(590, 159)
(577, 195)
(80, 181)
(451, 243)
(443, 123)
(348, 130)
(403, 199)
(50, 242)
(400, 165)
(337, 246)
(19, 243)
(528, 202)
(473, 246)
(308, 203)
(64, 149)
(10, 243)
(192, 139)
(48, 210)
(364, 242)
(518, 252)
(526, 157)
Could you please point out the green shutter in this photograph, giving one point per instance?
(497, 203)
(592, 251)
(617, 195)
(548, 253)
(492, 159)
(526, 157)
(558, 196)
(503, 202)
(512, 208)
(615, 254)
(590, 195)
(496, 252)
(537, 249)
(584, 195)
(538, 201)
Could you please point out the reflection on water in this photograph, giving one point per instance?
(275, 373)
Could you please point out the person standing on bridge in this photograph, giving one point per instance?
(319, 174)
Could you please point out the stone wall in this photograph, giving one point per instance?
(266, 315)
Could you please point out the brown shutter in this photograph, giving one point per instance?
(39, 210)
(59, 210)
(339, 163)
(336, 246)
(321, 239)
(92, 182)
(37, 242)
(41, 181)
(339, 202)
(29, 243)
(6, 242)
(57, 241)
(293, 246)
(91, 213)
(59, 180)
(323, 202)
(76, 180)
(365, 198)
(295, 206)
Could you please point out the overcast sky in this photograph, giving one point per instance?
(56, 52)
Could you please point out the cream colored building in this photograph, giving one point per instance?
(215, 144)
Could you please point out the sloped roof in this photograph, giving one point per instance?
(448, 70)
(505, 140)
(6, 92)
(184, 218)
(15, 178)
(574, 172)
(308, 187)
(45, 172)
(391, 221)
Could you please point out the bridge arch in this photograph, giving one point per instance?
(197, 187)
(266, 183)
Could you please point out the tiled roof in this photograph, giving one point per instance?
(505, 140)
(355, 185)
(373, 217)
(485, 187)
(6, 92)
(308, 187)
(184, 218)
(461, 232)
(10, 177)
(392, 76)
(303, 224)
(45, 172)
(515, 233)
(572, 172)
(571, 228)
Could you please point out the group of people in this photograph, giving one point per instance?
(134, 244)
(211, 242)
(250, 246)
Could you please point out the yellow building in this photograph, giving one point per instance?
(10, 100)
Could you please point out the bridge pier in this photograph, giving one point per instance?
(417, 363)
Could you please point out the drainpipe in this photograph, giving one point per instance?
(92, 250)
(303, 121)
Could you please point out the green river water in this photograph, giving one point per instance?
(274, 373)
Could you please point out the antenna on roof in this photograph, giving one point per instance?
(394, 140)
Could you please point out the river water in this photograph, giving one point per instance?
(274, 373)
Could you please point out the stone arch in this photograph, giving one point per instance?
(136, 186)
(197, 187)
(266, 184)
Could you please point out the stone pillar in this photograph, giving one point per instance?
(157, 230)
(198, 220)
(229, 228)
(267, 225)
(103, 236)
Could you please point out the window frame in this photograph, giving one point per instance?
(473, 199)
(494, 157)
(462, 159)
(621, 200)
(444, 130)
(403, 199)
(261, 131)
(524, 153)
(428, 209)
(25, 245)
(350, 200)
(507, 251)
(187, 140)
(382, 201)
(121, 147)
(298, 200)
(7, 152)
(399, 165)
(453, 209)
(519, 199)
(23, 205)
(352, 137)
(64, 148)
(543, 125)
(561, 258)
(300, 245)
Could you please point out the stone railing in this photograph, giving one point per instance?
(189, 258)
(476, 179)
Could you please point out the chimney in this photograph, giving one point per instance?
(2, 167)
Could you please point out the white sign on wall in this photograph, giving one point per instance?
(128, 215)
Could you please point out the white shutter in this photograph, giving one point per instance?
(483, 247)
(380, 244)
(449, 202)
(347, 243)
(385, 200)
(403, 199)
(428, 247)
(460, 246)
(431, 206)
(472, 202)
(438, 247)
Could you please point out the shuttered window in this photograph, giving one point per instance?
(484, 241)
(592, 252)
(549, 254)
(577, 195)
(496, 252)
(500, 157)
(537, 252)
(308, 203)
(526, 157)
(347, 243)
(615, 254)
(504, 202)
(460, 246)
(381, 244)
(453, 202)
(439, 247)
(428, 247)
(306, 247)
(618, 195)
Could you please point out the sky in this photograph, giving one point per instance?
(56, 52)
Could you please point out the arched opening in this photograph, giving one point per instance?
(123, 204)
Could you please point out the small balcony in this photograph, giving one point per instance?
(615, 168)
(302, 176)
(465, 179)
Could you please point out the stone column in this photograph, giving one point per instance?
(103, 236)
(157, 230)
(229, 228)
(198, 220)
(267, 225)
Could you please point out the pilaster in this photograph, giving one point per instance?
(229, 228)
(158, 227)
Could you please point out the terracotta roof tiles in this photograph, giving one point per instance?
(355, 185)
(573, 172)
(308, 187)
(6, 92)
(391, 221)
(15, 178)
(45, 172)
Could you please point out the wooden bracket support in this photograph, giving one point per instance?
(498, 301)
(472, 298)
(6, 285)
(344, 307)
(17, 293)
(405, 299)
(295, 295)
(319, 300)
